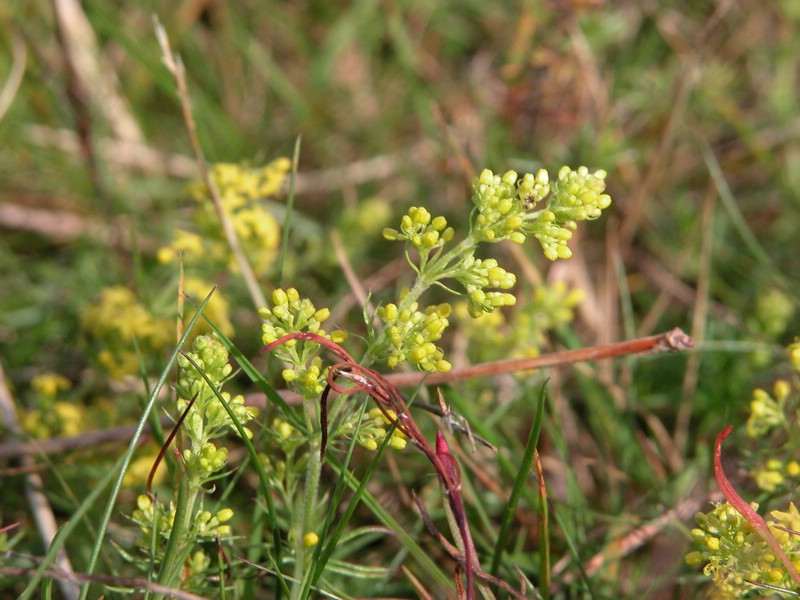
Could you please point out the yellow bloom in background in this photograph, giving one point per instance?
(217, 310)
(794, 354)
(520, 333)
(245, 194)
(71, 418)
(768, 479)
(118, 318)
(766, 413)
(139, 469)
(49, 384)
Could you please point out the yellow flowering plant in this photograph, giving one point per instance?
(743, 554)
(507, 207)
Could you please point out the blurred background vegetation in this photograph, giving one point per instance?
(690, 107)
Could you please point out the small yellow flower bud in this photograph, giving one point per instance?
(486, 177)
(794, 355)
(781, 389)
(774, 575)
(279, 297)
(310, 539)
(226, 514)
(389, 313)
(284, 429)
(144, 502)
(694, 559)
(338, 336)
(510, 177)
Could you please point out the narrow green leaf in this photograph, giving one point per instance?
(520, 483)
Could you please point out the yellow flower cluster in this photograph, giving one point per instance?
(372, 432)
(522, 333)
(767, 411)
(291, 314)
(206, 524)
(737, 556)
(49, 384)
(243, 192)
(61, 418)
(118, 318)
(411, 334)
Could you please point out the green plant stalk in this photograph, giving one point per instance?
(310, 500)
(385, 517)
(180, 535)
(544, 536)
(324, 549)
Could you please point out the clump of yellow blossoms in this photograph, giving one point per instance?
(736, 557)
(114, 321)
(244, 192)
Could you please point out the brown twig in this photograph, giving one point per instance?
(63, 226)
(674, 340)
(175, 67)
(87, 439)
(85, 61)
(19, 54)
(636, 538)
(117, 582)
(356, 287)
(40, 507)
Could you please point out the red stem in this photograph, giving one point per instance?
(744, 509)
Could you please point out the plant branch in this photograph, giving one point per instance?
(670, 341)
(175, 67)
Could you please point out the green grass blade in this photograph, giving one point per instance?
(520, 483)
(320, 558)
(405, 538)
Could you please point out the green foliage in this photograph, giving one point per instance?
(690, 111)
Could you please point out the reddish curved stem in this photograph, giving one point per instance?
(744, 509)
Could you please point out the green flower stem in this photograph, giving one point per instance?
(438, 268)
(309, 501)
(180, 537)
